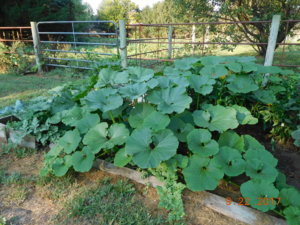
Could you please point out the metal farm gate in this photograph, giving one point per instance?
(76, 44)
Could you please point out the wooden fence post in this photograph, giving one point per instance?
(271, 44)
(170, 35)
(36, 46)
(193, 37)
(123, 44)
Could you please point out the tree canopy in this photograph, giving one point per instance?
(21, 12)
(243, 10)
(118, 9)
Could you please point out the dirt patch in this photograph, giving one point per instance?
(26, 166)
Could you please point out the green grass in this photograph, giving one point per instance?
(107, 204)
(14, 86)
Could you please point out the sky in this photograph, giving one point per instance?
(140, 3)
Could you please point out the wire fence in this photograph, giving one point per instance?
(152, 44)
(10, 35)
(155, 44)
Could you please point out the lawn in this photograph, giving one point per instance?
(24, 87)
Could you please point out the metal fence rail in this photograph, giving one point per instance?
(9, 35)
(14, 34)
(51, 46)
(150, 43)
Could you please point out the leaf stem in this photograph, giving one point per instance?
(198, 100)
(233, 183)
(277, 212)
(112, 117)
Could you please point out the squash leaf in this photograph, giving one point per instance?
(149, 149)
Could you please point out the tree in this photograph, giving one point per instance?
(161, 12)
(21, 12)
(244, 10)
(116, 10)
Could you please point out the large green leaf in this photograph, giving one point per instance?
(177, 161)
(201, 174)
(219, 119)
(180, 128)
(105, 99)
(138, 113)
(254, 191)
(108, 77)
(71, 116)
(290, 196)
(252, 143)
(144, 115)
(265, 96)
(231, 139)
(259, 170)
(172, 71)
(82, 161)
(201, 118)
(101, 137)
(140, 74)
(241, 84)
(185, 63)
(172, 81)
(231, 161)
(262, 155)
(212, 60)
(63, 102)
(202, 84)
(292, 215)
(296, 135)
(219, 71)
(249, 67)
(133, 91)
(88, 121)
(61, 166)
(269, 69)
(199, 141)
(150, 149)
(244, 115)
(234, 66)
(70, 141)
(121, 158)
(80, 118)
(214, 71)
(170, 100)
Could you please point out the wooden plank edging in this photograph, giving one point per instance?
(217, 203)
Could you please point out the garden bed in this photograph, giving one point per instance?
(189, 125)
(212, 201)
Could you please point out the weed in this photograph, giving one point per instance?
(2, 220)
(24, 152)
(16, 196)
(6, 148)
(56, 187)
(14, 178)
(107, 204)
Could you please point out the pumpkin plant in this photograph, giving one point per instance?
(170, 124)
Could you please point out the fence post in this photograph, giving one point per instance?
(271, 44)
(170, 35)
(36, 46)
(123, 44)
(193, 37)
